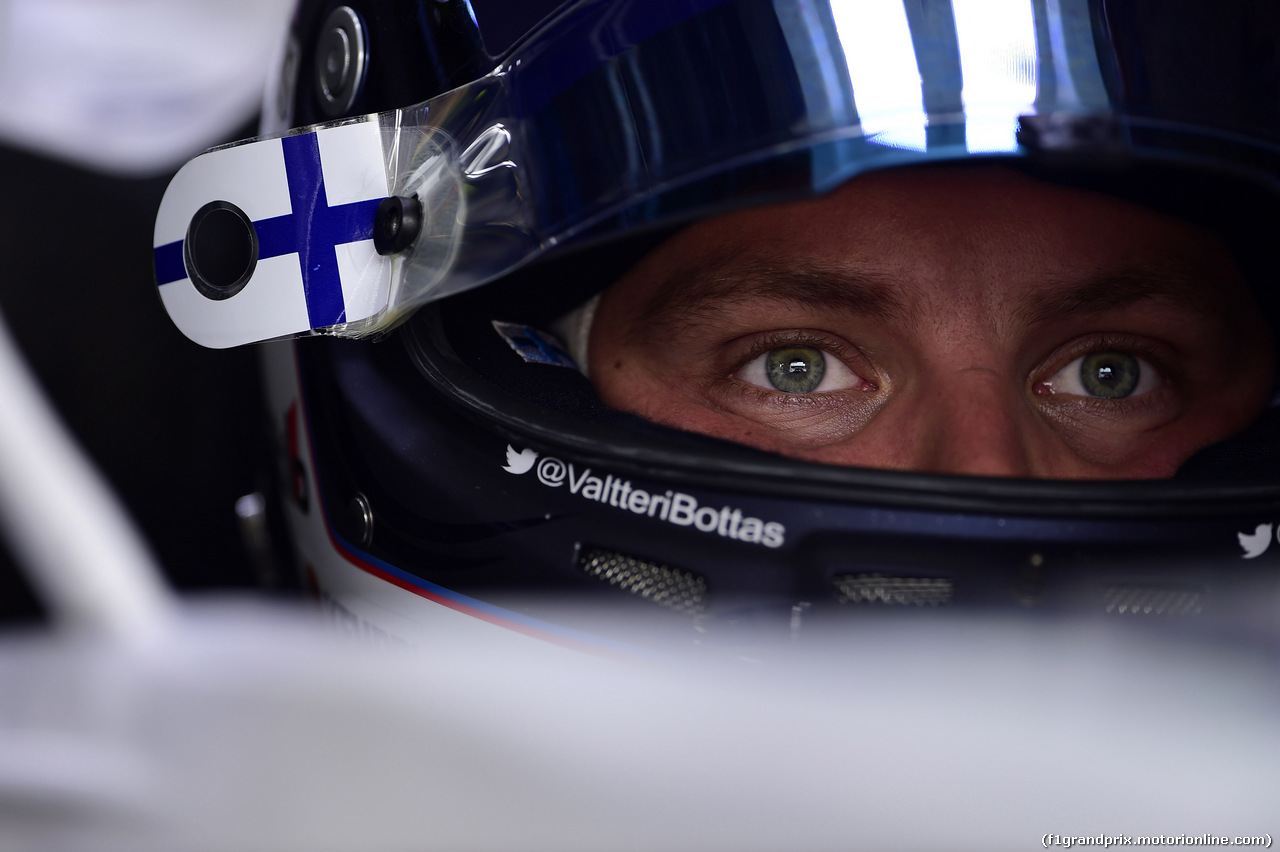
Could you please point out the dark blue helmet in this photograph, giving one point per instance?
(443, 455)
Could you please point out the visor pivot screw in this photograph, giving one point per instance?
(220, 251)
(396, 224)
(360, 516)
(340, 61)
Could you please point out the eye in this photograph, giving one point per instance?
(799, 369)
(1105, 375)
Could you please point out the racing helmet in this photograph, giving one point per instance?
(440, 181)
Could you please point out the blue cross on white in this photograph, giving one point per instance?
(311, 200)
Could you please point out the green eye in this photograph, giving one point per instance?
(1110, 375)
(795, 369)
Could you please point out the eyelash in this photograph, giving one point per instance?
(1102, 343)
(1137, 347)
(855, 361)
(850, 356)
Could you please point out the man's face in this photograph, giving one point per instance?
(961, 321)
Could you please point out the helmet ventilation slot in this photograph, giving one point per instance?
(881, 589)
(671, 588)
(1152, 600)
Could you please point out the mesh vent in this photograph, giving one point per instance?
(668, 587)
(1151, 600)
(895, 591)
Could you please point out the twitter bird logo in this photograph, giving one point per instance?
(522, 462)
(1256, 543)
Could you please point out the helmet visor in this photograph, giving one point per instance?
(618, 116)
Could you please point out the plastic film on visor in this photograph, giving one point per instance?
(689, 106)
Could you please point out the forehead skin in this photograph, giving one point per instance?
(955, 290)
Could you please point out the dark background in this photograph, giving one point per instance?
(174, 427)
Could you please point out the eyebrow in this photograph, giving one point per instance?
(1111, 290)
(695, 295)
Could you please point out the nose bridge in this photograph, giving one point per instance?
(975, 422)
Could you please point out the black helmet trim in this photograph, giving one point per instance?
(557, 408)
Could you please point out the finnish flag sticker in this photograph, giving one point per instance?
(274, 238)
